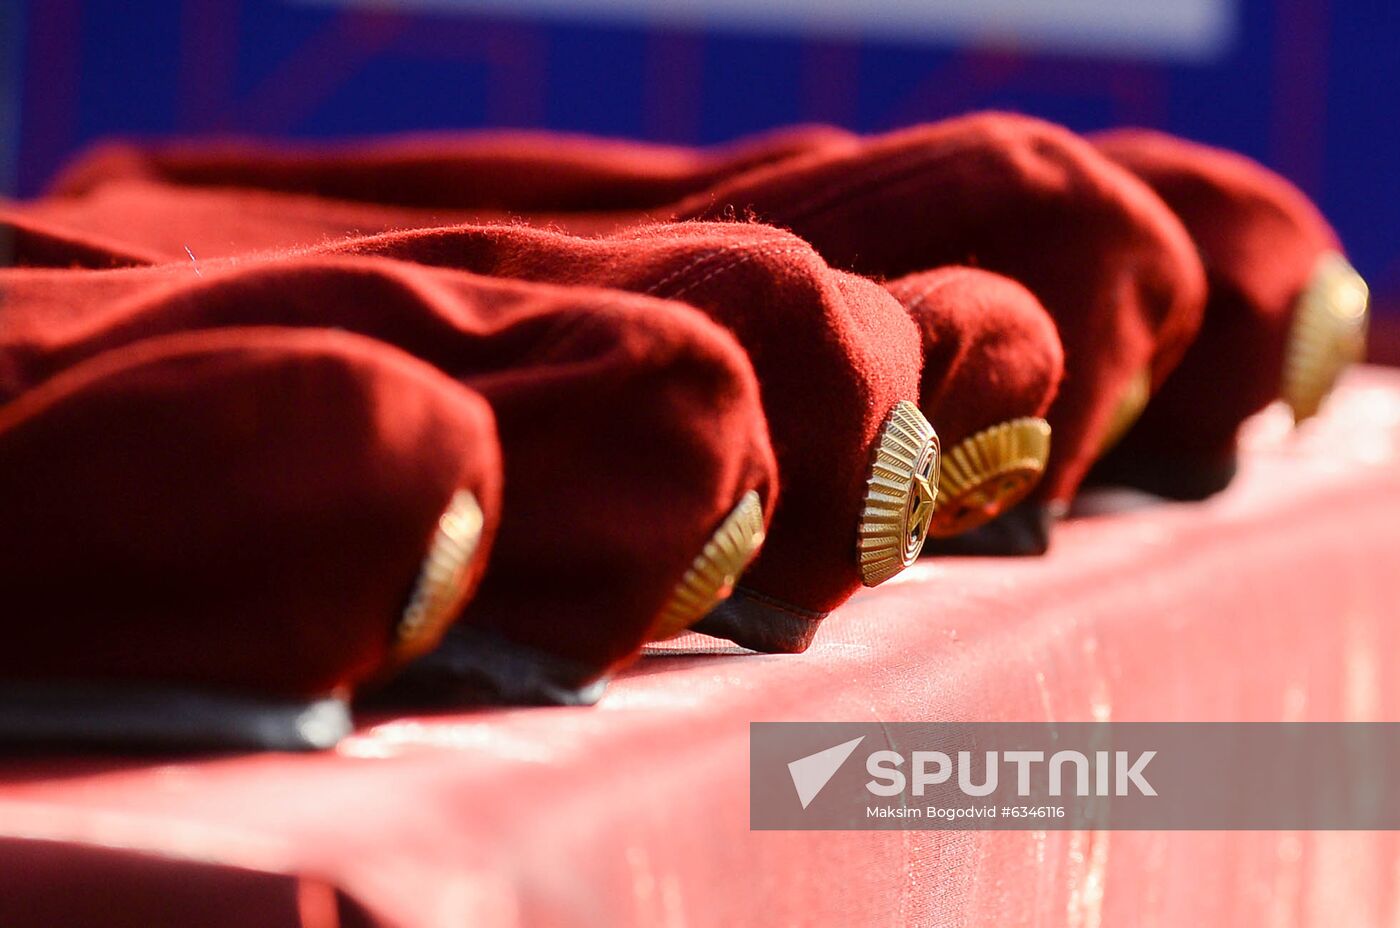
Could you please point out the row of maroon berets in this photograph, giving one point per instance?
(476, 418)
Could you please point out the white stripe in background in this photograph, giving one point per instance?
(1193, 30)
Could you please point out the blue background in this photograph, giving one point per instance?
(1307, 86)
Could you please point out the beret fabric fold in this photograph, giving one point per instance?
(504, 170)
(1276, 280)
(28, 239)
(129, 223)
(232, 518)
(631, 433)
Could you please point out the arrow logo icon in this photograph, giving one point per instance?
(811, 773)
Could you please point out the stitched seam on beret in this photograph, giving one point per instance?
(724, 268)
(742, 259)
(676, 275)
(924, 292)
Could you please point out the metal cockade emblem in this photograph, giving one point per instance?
(1328, 334)
(711, 576)
(987, 473)
(900, 496)
(444, 579)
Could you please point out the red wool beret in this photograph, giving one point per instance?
(992, 366)
(835, 355)
(636, 459)
(1285, 312)
(211, 537)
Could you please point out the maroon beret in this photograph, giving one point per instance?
(992, 366)
(637, 466)
(835, 355)
(1285, 312)
(212, 537)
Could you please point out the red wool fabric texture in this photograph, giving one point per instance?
(1005, 193)
(991, 352)
(246, 509)
(1259, 238)
(517, 171)
(629, 426)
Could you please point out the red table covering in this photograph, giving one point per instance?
(1275, 601)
